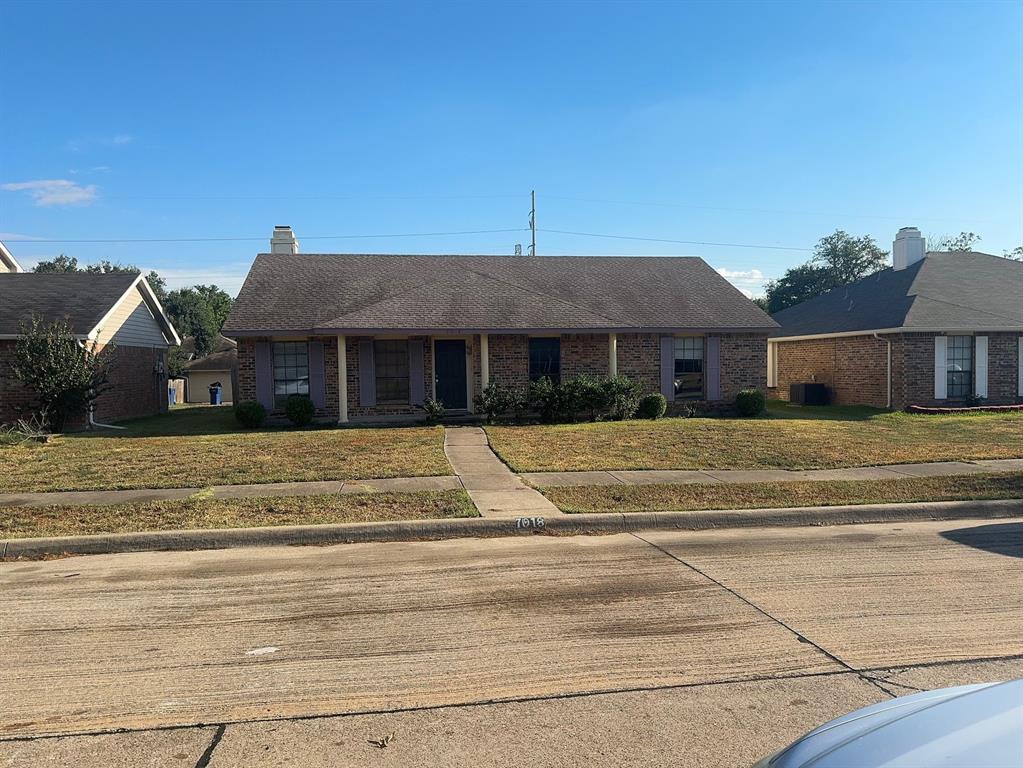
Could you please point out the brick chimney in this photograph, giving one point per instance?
(283, 240)
(909, 247)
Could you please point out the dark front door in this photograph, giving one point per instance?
(449, 364)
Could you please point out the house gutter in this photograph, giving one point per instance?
(888, 403)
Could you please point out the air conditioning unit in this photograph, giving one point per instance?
(809, 393)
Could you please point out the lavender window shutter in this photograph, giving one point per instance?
(264, 375)
(416, 384)
(317, 377)
(367, 374)
(668, 368)
(713, 368)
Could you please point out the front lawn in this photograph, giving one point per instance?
(788, 437)
(653, 498)
(199, 447)
(201, 511)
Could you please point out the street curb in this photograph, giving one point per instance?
(476, 527)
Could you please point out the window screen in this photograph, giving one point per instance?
(391, 358)
(291, 370)
(545, 359)
(959, 366)
(689, 368)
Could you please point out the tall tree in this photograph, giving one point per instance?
(838, 259)
(64, 263)
(961, 243)
(192, 315)
(218, 300)
(61, 263)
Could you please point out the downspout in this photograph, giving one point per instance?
(888, 403)
(92, 408)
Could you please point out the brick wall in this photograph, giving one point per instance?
(913, 373)
(854, 368)
(743, 364)
(16, 399)
(639, 358)
(584, 354)
(135, 387)
(509, 360)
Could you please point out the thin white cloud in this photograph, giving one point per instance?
(228, 277)
(48, 192)
(17, 236)
(749, 281)
(117, 140)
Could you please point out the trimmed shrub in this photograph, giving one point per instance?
(652, 406)
(250, 414)
(546, 398)
(300, 410)
(750, 402)
(589, 396)
(434, 410)
(622, 395)
(497, 401)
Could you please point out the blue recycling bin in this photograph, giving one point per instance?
(172, 396)
(215, 393)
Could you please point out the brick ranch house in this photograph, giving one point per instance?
(105, 308)
(369, 337)
(936, 329)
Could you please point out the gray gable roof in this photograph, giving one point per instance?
(347, 292)
(948, 291)
(83, 298)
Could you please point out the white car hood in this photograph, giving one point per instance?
(971, 726)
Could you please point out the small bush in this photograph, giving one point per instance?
(652, 406)
(622, 395)
(546, 398)
(250, 415)
(750, 402)
(497, 401)
(434, 410)
(974, 401)
(300, 410)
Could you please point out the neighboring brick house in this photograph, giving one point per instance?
(938, 329)
(105, 308)
(412, 327)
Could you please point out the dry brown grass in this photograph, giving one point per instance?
(199, 447)
(652, 498)
(787, 438)
(201, 511)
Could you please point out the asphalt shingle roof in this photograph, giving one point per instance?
(347, 292)
(966, 291)
(82, 298)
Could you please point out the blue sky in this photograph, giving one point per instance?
(764, 124)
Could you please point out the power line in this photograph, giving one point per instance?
(676, 242)
(251, 239)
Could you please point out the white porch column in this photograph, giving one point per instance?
(612, 354)
(342, 380)
(484, 360)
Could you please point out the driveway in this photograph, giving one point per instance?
(621, 650)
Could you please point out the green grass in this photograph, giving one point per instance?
(201, 511)
(199, 447)
(788, 437)
(652, 498)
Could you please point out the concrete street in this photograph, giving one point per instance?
(702, 649)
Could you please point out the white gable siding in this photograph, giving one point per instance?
(131, 324)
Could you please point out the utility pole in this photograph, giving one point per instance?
(532, 221)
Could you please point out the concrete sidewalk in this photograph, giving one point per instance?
(494, 489)
(709, 476)
(498, 492)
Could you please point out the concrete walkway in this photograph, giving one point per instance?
(494, 489)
